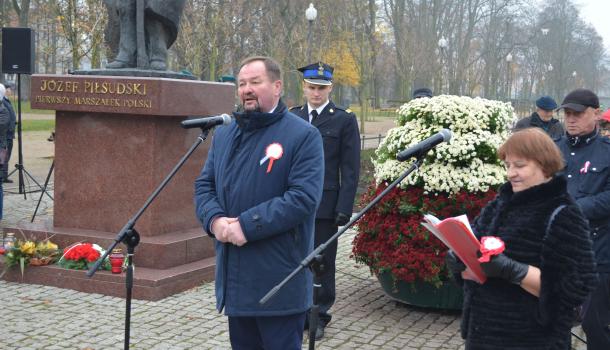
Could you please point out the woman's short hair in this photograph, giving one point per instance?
(534, 144)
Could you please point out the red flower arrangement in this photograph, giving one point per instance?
(391, 238)
(82, 251)
(80, 255)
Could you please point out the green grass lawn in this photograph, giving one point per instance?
(26, 107)
(38, 125)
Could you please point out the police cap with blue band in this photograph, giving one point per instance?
(318, 73)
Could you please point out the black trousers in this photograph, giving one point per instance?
(267, 332)
(325, 228)
(596, 321)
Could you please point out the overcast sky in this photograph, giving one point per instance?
(597, 13)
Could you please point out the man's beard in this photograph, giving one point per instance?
(257, 108)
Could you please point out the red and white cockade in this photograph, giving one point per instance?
(490, 246)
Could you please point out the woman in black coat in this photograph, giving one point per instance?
(533, 287)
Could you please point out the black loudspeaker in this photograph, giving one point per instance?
(18, 50)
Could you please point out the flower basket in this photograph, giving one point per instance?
(448, 296)
(455, 179)
(41, 261)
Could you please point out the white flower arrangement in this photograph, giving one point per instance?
(468, 162)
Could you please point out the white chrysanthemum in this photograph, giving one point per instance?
(468, 162)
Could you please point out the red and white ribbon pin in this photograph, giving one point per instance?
(273, 152)
(585, 168)
(490, 245)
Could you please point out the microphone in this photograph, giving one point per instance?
(206, 123)
(423, 147)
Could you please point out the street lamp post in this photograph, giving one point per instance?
(442, 44)
(574, 76)
(546, 71)
(509, 60)
(310, 14)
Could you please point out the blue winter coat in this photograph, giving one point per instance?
(588, 172)
(276, 209)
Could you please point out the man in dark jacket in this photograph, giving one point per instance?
(588, 172)
(339, 130)
(10, 135)
(5, 120)
(257, 195)
(543, 118)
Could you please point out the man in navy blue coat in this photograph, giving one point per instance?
(257, 195)
(339, 130)
(586, 154)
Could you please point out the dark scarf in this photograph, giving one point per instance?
(249, 121)
(537, 121)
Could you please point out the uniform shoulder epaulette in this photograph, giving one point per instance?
(295, 108)
(606, 140)
(346, 110)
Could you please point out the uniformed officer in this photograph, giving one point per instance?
(588, 173)
(339, 130)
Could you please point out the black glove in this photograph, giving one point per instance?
(501, 266)
(454, 263)
(341, 219)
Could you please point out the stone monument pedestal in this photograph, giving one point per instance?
(116, 139)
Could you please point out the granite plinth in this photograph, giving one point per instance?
(107, 165)
(165, 251)
(165, 264)
(116, 140)
(148, 284)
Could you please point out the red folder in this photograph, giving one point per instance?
(456, 234)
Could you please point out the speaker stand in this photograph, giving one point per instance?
(19, 167)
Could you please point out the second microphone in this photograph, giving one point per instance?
(423, 147)
(207, 123)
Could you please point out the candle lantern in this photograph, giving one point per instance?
(116, 261)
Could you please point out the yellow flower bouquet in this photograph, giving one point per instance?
(30, 252)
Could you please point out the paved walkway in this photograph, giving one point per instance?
(39, 317)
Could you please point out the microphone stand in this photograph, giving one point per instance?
(129, 236)
(314, 260)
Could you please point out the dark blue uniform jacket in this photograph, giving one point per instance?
(341, 138)
(276, 209)
(588, 173)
